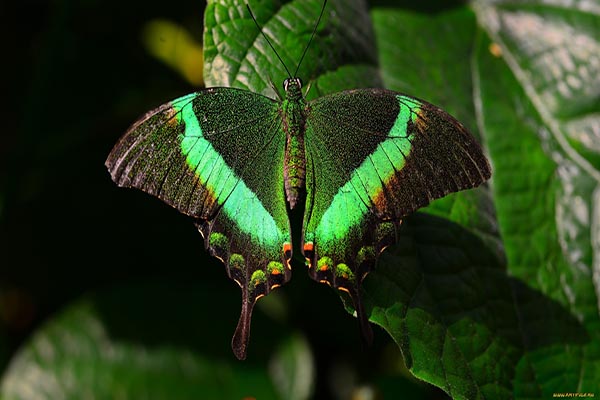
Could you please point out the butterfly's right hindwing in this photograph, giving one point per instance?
(216, 155)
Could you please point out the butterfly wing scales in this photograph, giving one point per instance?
(373, 157)
(216, 155)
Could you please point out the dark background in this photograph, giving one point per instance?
(76, 75)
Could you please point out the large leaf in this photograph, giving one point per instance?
(467, 320)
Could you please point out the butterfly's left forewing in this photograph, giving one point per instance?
(373, 157)
(216, 155)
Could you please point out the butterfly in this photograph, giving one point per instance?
(351, 164)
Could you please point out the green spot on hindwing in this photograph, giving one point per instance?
(343, 271)
(219, 244)
(324, 264)
(237, 261)
(366, 253)
(275, 268)
(258, 277)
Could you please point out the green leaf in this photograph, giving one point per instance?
(529, 329)
(340, 56)
(292, 369)
(548, 212)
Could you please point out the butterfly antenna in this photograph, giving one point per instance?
(311, 36)
(267, 39)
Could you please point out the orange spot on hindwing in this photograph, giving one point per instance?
(309, 253)
(287, 254)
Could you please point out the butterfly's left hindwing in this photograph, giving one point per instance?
(216, 155)
(373, 157)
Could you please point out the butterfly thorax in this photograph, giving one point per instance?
(293, 113)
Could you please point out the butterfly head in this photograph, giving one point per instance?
(293, 88)
(292, 84)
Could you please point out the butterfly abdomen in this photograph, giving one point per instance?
(293, 112)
